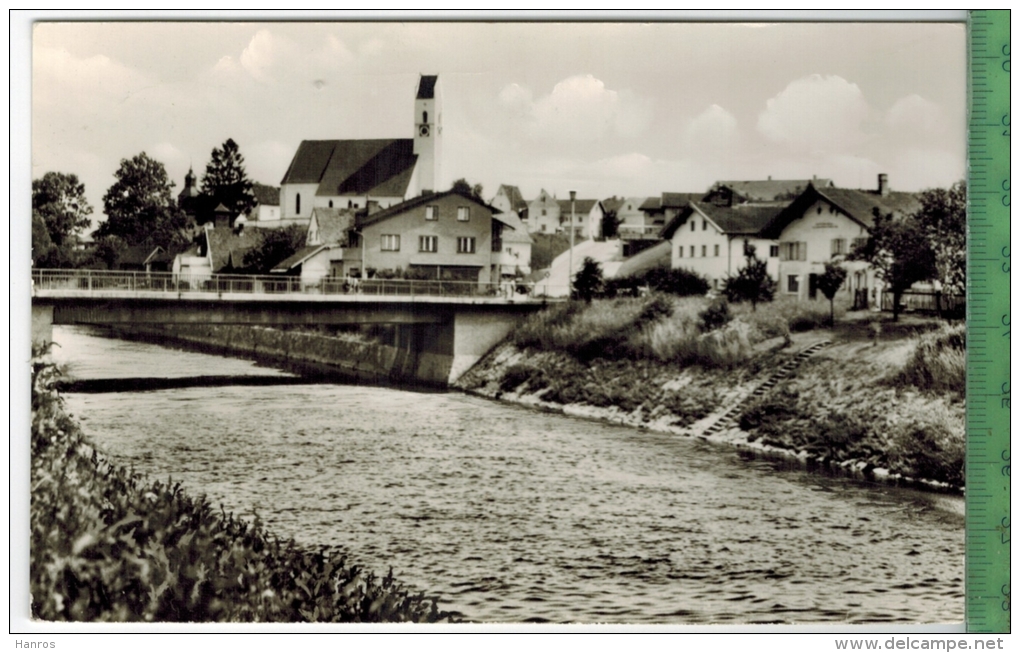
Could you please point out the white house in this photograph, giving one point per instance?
(350, 173)
(544, 214)
(824, 223)
(713, 241)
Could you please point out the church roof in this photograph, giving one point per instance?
(380, 167)
(427, 87)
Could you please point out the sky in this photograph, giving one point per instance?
(625, 109)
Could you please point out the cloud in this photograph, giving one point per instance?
(913, 117)
(579, 108)
(816, 114)
(713, 134)
(58, 75)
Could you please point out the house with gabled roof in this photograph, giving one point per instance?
(587, 218)
(727, 193)
(508, 199)
(322, 256)
(220, 249)
(351, 173)
(713, 241)
(447, 236)
(824, 223)
(544, 214)
(267, 203)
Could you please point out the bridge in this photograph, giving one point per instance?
(439, 328)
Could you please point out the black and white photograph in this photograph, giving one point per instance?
(536, 323)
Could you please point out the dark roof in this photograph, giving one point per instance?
(669, 200)
(581, 207)
(297, 258)
(658, 255)
(364, 220)
(228, 248)
(743, 219)
(651, 204)
(140, 254)
(381, 167)
(612, 203)
(770, 190)
(333, 224)
(266, 195)
(427, 87)
(859, 205)
(513, 193)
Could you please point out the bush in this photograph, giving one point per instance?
(517, 375)
(679, 282)
(929, 446)
(108, 545)
(715, 315)
(939, 362)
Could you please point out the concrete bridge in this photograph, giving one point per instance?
(439, 328)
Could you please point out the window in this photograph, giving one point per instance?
(704, 225)
(693, 226)
(331, 204)
(717, 250)
(860, 242)
(793, 251)
(543, 227)
(390, 243)
(793, 283)
(466, 245)
(704, 249)
(692, 251)
(680, 252)
(819, 210)
(773, 251)
(838, 246)
(431, 212)
(297, 203)
(463, 213)
(543, 211)
(428, 243)
(424, 116)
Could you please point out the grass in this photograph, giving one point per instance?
(546, 247)
(110, 545)
(939, 362)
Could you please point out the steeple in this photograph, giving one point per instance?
(428, 130)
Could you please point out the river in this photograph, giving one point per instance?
(513, 515)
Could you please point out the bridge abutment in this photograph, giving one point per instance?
(42, 325)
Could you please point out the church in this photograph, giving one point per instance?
(350, 173)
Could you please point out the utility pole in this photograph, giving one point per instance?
(570, 259)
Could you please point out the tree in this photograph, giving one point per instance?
(899, 252)
(588, 282)
(752, 283)
(464, 187)
(59, 209)
(829, 283)
(140, 208)
(225, 181)
(277, 246)
(943, 218)
(610, 224)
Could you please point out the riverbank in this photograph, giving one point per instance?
(111, 545)
(876, 402)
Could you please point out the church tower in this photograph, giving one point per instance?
(428, 132)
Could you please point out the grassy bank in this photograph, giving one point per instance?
(110, 545)
(881, 397)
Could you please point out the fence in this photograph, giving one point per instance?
(913, 301)
(168, 282)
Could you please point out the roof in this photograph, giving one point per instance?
(581, 207)
(658, 255)
(298, 258)
(770, 190)
(743, 219)
(427, 87)
(381, 167)
(670, 201)
(513, 193)
(612, 203)
(518, 233)
(414, 202)
(227, 248)
(266, 195)
(333, 224)
(859, 205)
(140, 255)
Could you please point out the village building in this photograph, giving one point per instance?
(351, 173)
(825, 223)
(544, 214)
(731, 193)
(219, 249)
(267, 203)
(508, 200)
(714, 241)
(587, 218)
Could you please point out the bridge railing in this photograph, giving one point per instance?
(168, 282)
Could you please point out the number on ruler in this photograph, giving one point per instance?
(1005, 255)
(1005, 123)
(1005, 323)
(1005, 458)
(1005, 53)
(1005, 187)
(1004, 399)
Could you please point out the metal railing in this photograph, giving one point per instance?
(925, 302)
(638, 232)
(76, 281)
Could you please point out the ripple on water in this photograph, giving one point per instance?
(512, 515)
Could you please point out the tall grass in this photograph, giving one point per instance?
(109, 545)
(789, 314)
(939, 361)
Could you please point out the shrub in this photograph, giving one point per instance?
(679, 282)
(588, 281)
(939, 362)
(517, 375)
(929, 446)
(108, 545)
(715, 315)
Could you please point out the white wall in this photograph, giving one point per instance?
(817, 227)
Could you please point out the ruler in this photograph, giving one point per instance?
(988, 397)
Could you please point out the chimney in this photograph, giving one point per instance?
(373, 206)
(883, 184)
(770, 177)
